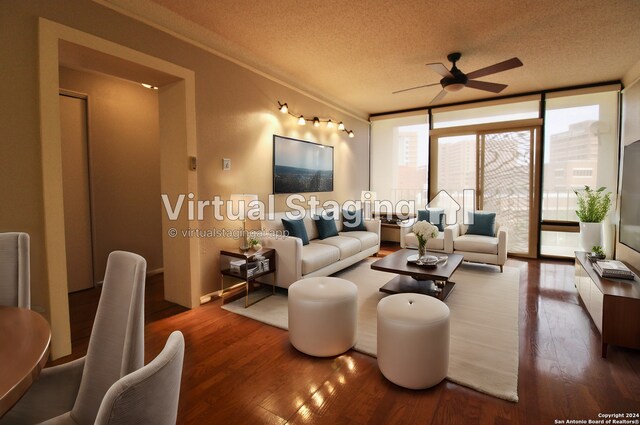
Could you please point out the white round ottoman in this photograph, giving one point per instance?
(413, 340)
(323, 315)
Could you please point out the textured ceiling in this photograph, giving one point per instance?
(355, 53)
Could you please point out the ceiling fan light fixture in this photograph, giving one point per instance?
(454, 87)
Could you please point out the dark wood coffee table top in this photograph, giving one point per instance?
(397, 263)
(432, 281)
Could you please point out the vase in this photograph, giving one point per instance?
(590, 235)
(422, 249)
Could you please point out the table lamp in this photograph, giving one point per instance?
(242, 203)
(368, 198)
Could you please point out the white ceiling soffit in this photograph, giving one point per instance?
(356, 53)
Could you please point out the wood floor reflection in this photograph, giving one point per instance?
(239, 371)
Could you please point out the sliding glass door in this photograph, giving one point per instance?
(501, 166)
(506, 185)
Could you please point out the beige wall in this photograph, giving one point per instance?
(124, 166)
(630, 133)
(236, 118)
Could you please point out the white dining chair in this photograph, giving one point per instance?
(71, 393)
(149, 395)
(15, 283)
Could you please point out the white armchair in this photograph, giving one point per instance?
(408, 239)
(478, 248)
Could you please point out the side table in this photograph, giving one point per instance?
(250, 270)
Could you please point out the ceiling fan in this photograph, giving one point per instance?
(455, 80)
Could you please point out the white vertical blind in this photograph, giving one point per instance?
(400, 158)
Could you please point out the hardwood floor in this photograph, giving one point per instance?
(239, 371)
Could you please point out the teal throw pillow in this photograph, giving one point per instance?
(433, 216)
(326, 226)
(484, 224)
(296, 229)
(353, 221)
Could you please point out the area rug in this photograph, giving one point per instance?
(484, 323)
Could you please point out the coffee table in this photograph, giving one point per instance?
(433, 281)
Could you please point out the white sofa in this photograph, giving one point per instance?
(295, 261)
(474, 248)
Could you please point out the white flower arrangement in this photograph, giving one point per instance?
(425, 230)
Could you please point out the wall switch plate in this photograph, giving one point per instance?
(226, 164)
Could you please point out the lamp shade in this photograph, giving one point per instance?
(367, 195)
(242, 203)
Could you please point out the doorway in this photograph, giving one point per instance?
(181, 256)
(501, 166)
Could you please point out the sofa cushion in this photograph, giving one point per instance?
(367, 239)
(434, 216)
(411, 241)
(476, 243)
(347, 246)
(484, 223)
(353, 221)
(326, 226)
(317, 255)
(296, 229)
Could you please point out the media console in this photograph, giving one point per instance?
(613, 304)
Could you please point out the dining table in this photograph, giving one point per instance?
(25, 337)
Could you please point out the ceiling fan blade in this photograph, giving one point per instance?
(494, 69)
(483, 85)
(417, 87)
(440, 69)
(439, 96)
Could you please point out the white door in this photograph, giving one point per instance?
(75, 184)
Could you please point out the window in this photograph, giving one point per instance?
(582, 172)
(581, 137)
(400, 158)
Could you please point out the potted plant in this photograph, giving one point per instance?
(254, 244)
(593, 206)
(597, 253)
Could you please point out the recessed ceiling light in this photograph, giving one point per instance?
(149, 86)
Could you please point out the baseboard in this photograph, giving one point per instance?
(155, 272)
(150, 273)
(209, 297)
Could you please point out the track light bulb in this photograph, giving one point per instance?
(316, 122)
(351, 135)
(301, 120)
(341, 126)
(329, 124)
(284, 108)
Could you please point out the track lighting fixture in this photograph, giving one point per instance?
(284, 108)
